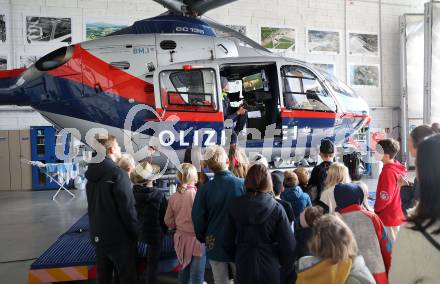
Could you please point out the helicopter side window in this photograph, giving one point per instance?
(303, 91)
(192, 90)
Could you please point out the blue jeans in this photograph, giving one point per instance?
(194, 272)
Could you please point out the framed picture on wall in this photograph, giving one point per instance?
(3, 28)
(363, 75)
(3, 62)
(323, 41)
(326, 67)
(363, 44)
(100, 27)
(48, 30)
(26, 60)
(279, 39)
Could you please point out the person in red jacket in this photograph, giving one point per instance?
(368, 230)
(388, 204)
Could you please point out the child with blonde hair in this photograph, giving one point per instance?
(303, 177)
(127, 163)
(189, 250)
(337, 173)
(335, 257)
(238, 162)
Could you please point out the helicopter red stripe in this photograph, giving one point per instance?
(99, 74)
(317, 114)
(307, 114)
(196, 117)
(12, 73)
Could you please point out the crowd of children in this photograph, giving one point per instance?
(291, 227)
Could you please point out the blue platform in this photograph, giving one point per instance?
(74, 248)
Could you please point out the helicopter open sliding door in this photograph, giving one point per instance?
(308, 109)
(188, 98)
(411, 59)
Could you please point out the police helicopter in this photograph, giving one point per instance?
(163, 75)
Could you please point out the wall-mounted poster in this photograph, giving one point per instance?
(25, 60)
(97, 28)
(362, 44)
(2, 28)
(3, 62)
(323, 41)
(282, 39)
(364, 75)
(326, 67)
(238, 28)
(48, 30)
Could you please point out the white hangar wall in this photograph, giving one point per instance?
(343, 16)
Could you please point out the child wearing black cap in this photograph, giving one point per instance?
(278, 188)
(319, 173)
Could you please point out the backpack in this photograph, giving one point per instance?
(353, 161)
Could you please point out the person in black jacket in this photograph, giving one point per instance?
(112, 216)
(258, 235)
(151, 206)
(409, 192)
(319, 173)
(278, 188)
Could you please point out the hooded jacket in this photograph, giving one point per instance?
(369, 232)
(111, 205)
(388, 201)
(312, 270)
(258, 236)
(151, 206)
(297, 198)
(210, 211)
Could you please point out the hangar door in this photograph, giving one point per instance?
(411, 59)
(431, 110)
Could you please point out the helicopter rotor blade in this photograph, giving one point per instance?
(202, 6)
(234, 33)
(173, 5)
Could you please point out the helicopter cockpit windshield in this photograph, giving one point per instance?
(303, 91)
(345, 95)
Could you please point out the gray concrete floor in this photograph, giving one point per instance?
(30, 222)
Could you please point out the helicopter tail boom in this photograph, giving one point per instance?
(9, 91)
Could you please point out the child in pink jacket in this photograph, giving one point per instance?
(189, 250)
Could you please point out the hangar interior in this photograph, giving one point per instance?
(384, 50)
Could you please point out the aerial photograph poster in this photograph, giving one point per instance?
(323, 41)
(364, 75)
(48, 30)
(97, 28)
(278, 38)
(361, 44)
